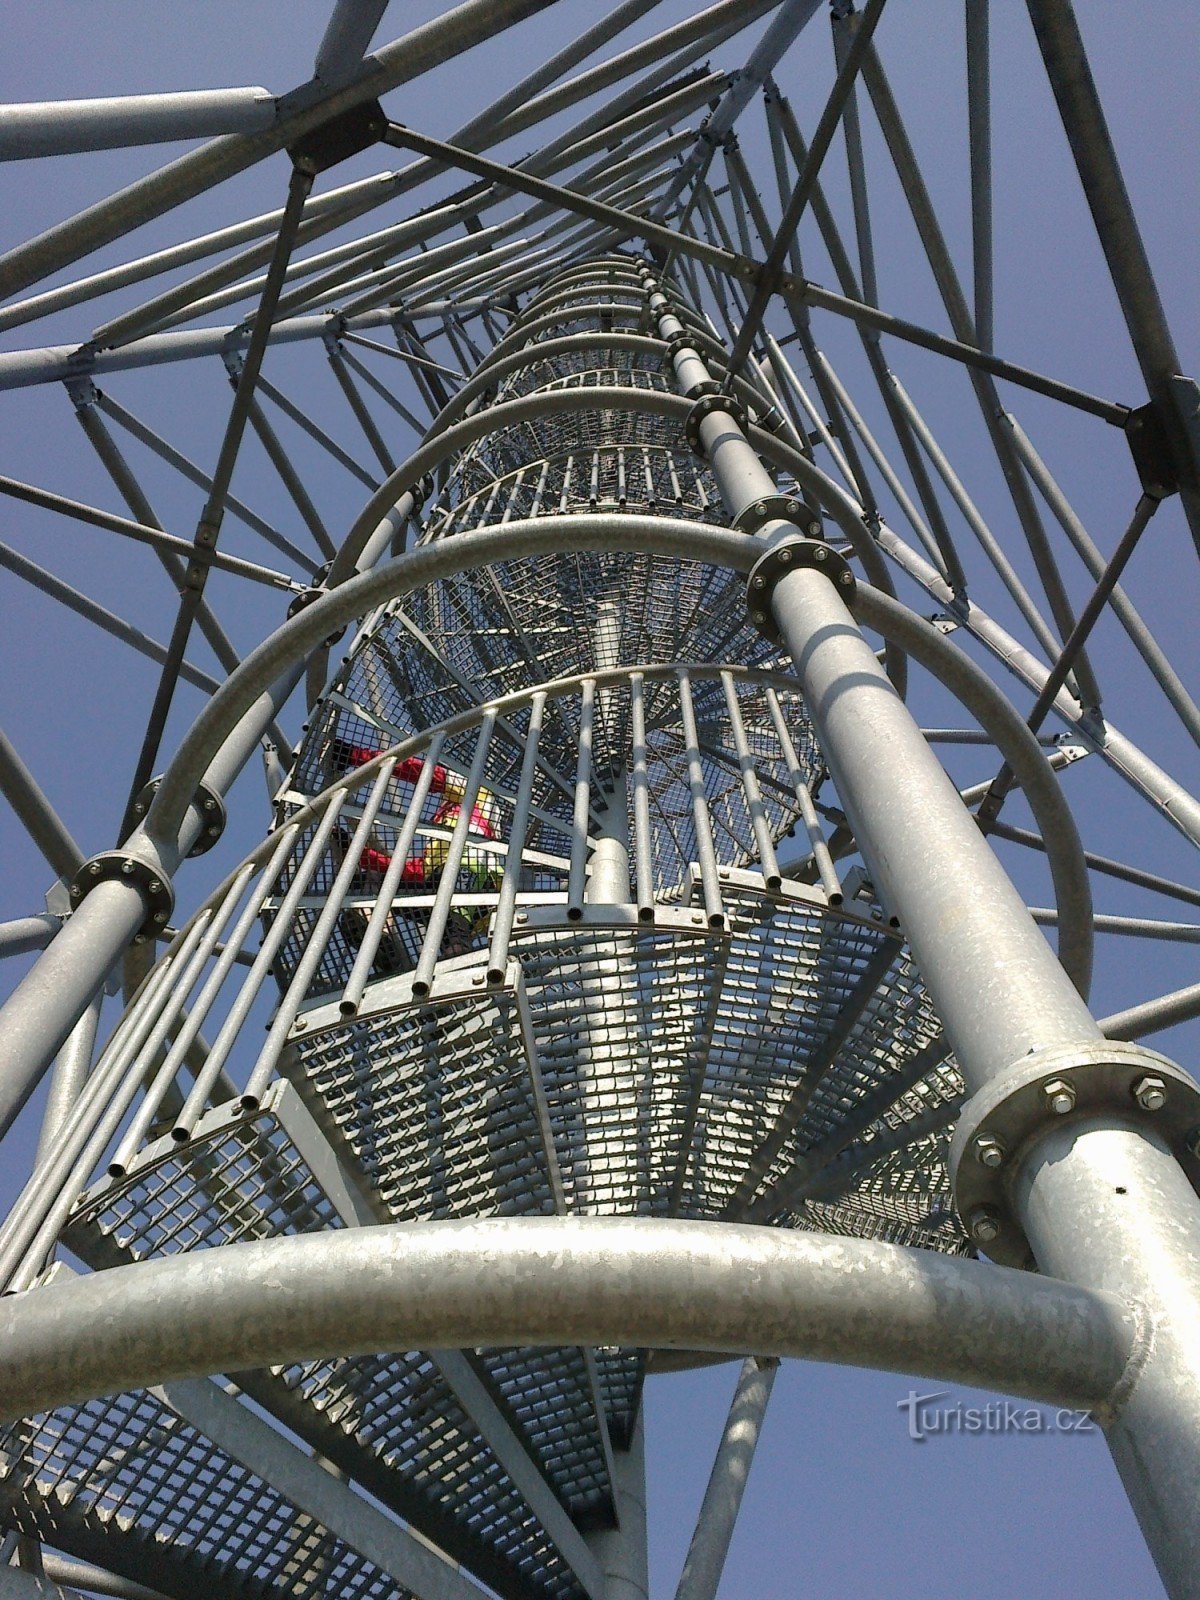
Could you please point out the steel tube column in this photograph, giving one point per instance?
(997, 987)
(940, 878)
(622, 1551)
(1002, 997)
(1107, 1205)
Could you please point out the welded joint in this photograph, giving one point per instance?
(81, 391)
(207, 802)
(1141, 1346)
(331, 335)
(117, 866)
(1107, 1082)
(789, 555)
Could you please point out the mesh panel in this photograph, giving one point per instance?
(130, 1463)
(248, 1181)
(423, 1450)
(241, 1181)
(550, 1393)
(436, 1103)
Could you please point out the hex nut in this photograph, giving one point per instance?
(1059, 1096)
(1150, 1093)
(984, 1224)
(989, 1152)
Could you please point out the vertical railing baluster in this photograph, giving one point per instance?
(440, 913)
(822, 859)
(583, 795)
(642, 840)
(750, 786)
(706, 853)
(506, 905)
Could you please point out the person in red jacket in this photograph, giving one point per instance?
(422, 871)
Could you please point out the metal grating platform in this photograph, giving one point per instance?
(190, 1516)
(392, 1421)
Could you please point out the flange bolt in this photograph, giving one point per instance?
(989, 1152)
(984, 1224)
(1150, 1093)
(1059, 1096)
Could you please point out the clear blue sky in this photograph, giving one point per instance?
(840, 1503)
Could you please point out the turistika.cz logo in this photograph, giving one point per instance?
(927, 1419)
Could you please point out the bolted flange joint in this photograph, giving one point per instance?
(779, 508)
(307, 597)
(115, 866)
(678, 342)
(1106, 1081)
(705, 406)
(777, 562)
(206, 801)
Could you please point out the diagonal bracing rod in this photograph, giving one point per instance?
(213, 514)
(768, 279)
(706, 1555)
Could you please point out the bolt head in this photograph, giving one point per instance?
(1150, 1093)
(793, 506)
(758, 617)
(846, 579)
(814, 528)
(522, 916)
(760, 509)
(1059, 1096)
(299, 1025)
(785, 557)
(155, 886)
(757, 583)
(127, 869)
(94, 869)
(989, 1152)
(984, 1224)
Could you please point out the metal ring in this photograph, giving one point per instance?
(780, 508)
(1051, 1088)
(115, 866)
(705, 407)
(777, 562)
(207, 801)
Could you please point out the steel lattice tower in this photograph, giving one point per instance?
(623, 975)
